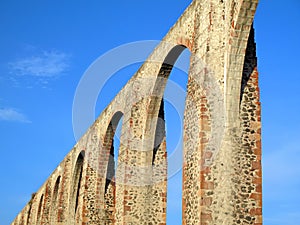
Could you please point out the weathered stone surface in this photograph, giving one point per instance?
(222, 135)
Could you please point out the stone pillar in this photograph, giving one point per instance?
(46, 204)
(63, 199)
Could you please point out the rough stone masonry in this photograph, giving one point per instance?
(222, 176)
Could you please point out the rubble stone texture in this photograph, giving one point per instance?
(222, 176)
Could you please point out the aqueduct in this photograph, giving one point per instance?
(222, 177)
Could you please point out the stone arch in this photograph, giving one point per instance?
(157, 103)
(30, 206)
(156, 106)
(110, 170)
(156, 123)
(40, 210)
(75, 185)
(143, 175)
(54, 201)
(240, 32)
(28, 214)
(46, 203)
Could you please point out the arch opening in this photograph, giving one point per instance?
(170, 90)
(111, 147)
(30, 208)
(54, 202)
(76, 183)
(174, 117)
(39, 212)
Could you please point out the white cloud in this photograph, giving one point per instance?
(48, 64)
(10, 114)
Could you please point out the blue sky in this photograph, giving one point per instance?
(45, 48)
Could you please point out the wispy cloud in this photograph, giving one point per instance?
(47, 64)
(38, 68)
(12, 115)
